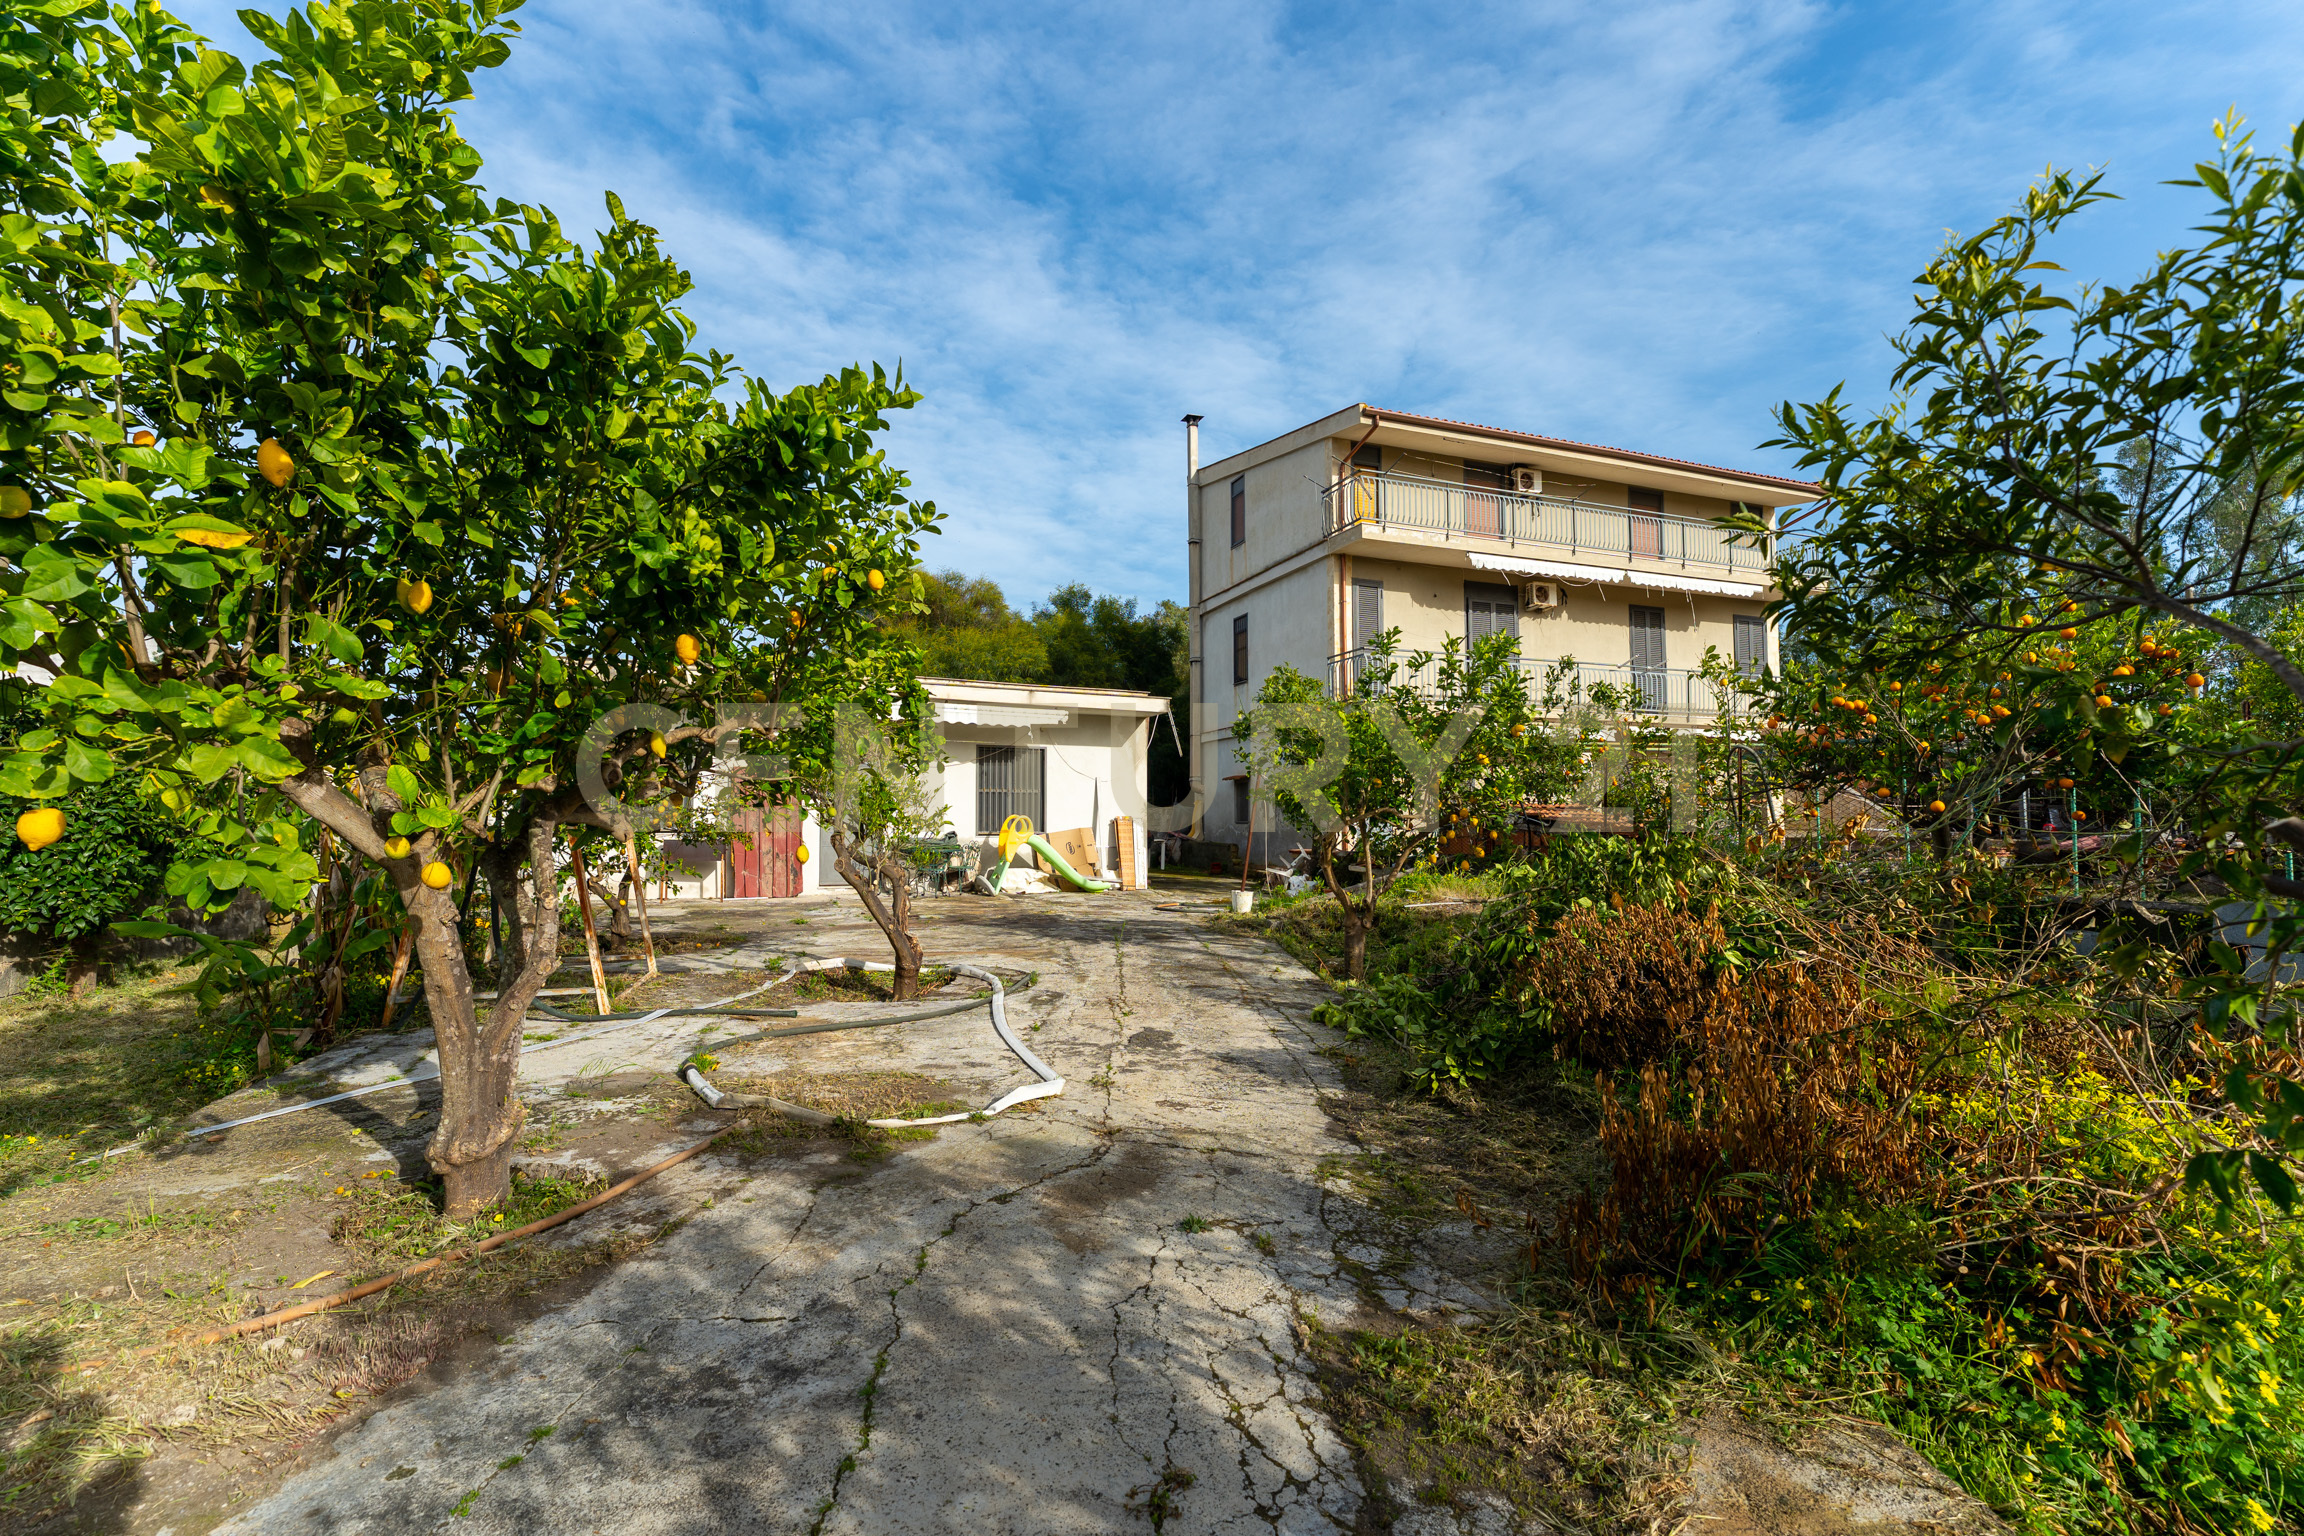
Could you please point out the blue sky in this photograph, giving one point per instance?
(1636, 224)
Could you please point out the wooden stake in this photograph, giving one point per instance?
(591, 934)
(400, 955)
(639, 898)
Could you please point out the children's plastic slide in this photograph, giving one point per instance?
(1016, 832)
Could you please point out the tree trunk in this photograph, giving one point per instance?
(501, 865)
(892, 910)
(84, 962)
(1356, 926)
(480, 1110)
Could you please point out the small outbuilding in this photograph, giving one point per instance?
(1074, 760)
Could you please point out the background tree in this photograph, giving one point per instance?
(1076, 639)
(424, 488)
(1379, 780)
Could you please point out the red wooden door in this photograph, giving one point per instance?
(761, 852)
(782, 871)
(747, 852)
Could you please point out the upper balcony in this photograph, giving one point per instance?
(1441, 511)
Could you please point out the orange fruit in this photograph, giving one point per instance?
(2067, 634)
(2103, 702)
(2194, 681)
(1937, 806)
(141, 439)
(2063, 783)
(688, 648)
(438, 875)
(273, 463)
(415, 596)
(40, 826)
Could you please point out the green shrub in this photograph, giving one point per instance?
(108, 865)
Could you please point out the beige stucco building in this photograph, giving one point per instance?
(1306, 548)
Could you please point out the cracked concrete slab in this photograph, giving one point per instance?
(1054, 1321)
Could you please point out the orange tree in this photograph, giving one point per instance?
(2094, 725)
(332, 493)
(2116, 458)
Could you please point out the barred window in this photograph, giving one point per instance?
(1009, 781)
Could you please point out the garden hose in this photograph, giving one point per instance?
(625, 1021)
(1049, 1085)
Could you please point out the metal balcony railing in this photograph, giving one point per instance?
(1677, 693)
(1364, 498)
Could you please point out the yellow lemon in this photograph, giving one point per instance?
(273, 463)
(15, 501)
(438, 875)
(415, 596)
(875, 580)
(688, 648)
(656, 743)
(40, 826)
(396, 847)
(800, 854)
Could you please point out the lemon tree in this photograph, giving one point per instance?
(338, 500)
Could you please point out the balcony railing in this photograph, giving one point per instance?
(1369, 500)
(1677, 693)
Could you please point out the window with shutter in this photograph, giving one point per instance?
(1648, 675)
(1367, 613)
(1490, 610)
(1751, 644)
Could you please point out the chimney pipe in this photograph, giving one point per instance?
(1194, 633)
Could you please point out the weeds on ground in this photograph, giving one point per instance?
(1880, 1138)
(852, 1098)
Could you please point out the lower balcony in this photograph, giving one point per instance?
(1674, 694)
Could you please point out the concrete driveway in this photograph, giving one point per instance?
(1080, 1317)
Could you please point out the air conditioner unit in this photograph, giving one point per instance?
(1536, 596)
(1527, 481)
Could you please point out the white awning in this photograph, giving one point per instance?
(1562, 570)
(999, 714)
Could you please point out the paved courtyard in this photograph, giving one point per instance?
(1082, 1316)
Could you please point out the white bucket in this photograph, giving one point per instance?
(1243, 902)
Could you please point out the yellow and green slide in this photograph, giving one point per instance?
(1016, 832)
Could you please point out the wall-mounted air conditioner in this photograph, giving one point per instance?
(1527, 480)
(1537, 596)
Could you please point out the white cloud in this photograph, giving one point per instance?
(1641, 224)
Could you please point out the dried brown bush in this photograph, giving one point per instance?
(1761, 1089)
